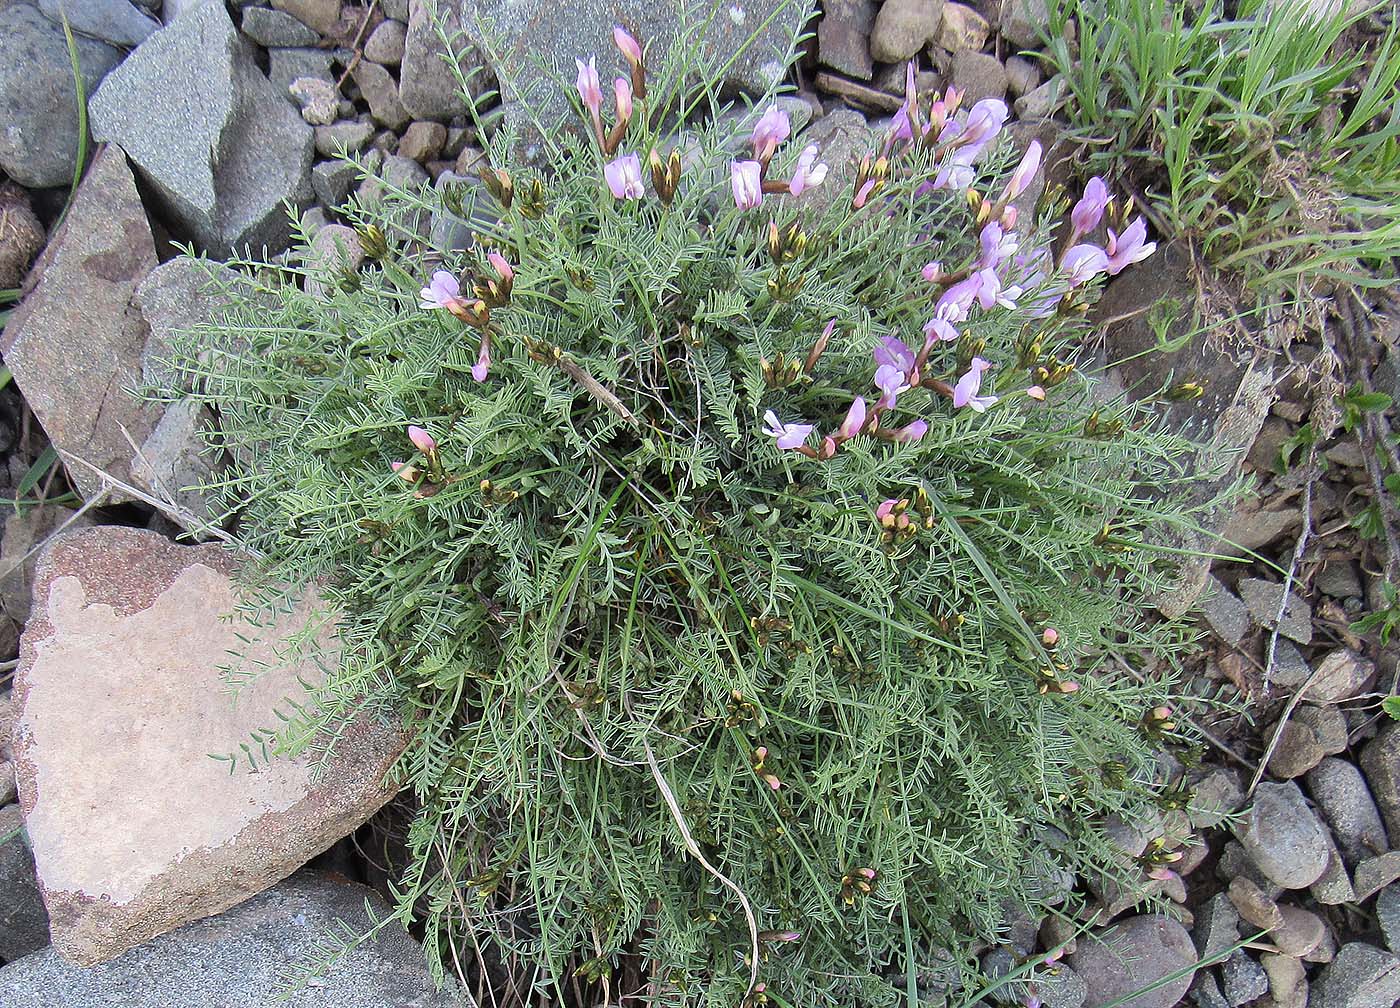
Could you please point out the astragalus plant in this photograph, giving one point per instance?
(758, 580)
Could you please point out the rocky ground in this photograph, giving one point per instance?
(211, 117)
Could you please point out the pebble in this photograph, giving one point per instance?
(1160, 947)
(843, 36)
(286, 65)
(1225, 612)
(1022, 76)
(1338, 577)
(116, 22)
(319, 101)
(1283, 837)
(1339, 675)
(1328, 724)
(1301, 932)
(1023, 21)
(962, 28)
(385, 43)
(21, 235)
(1254, 904)
(333, 181)
(1217, 926)
(1205, 991)
(344, 137)
(1242, 980)
(1215, 796)
(1374, 873)
(322, 15)
(1296, 752)
(378, 87)
(1288, 980)
(1290, 668)
(1361, 976)
(1334, 885)
(1043, 101)
(1063, 988)
(423, 141)
(978, 75)
(903, 27)
(1347, 806)
(277, 28)
(1388, 916)
(1380, 761)
(1262, 599)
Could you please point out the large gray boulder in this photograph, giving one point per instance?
(242, 958)
(118, 22)
(220, 146)
(38, 101)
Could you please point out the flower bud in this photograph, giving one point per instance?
(422, 440)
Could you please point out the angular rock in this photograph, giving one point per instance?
(1346, 805)
(1255, 905)
(1133, 954)
(903, 27)
(1341, 674)
(1380, 760)
(1374, 873)
(382, 94)
(24, 924)
(843, 137)
(241, 959)
(286, 65)
(1262, 598)
(1217, 926)
(1205, 991)
(21, 235)
(322, 15)
(1040, 102)
(9, 790)
(1242, 980)
(1215, 796)
(81, 303)
(1361, 976)
(1328, 725)
(1023, 21)
(318, 99)
(843, 36)
(1224, 611)
(962, 28)
(1063, 988)
(1288, 980)
(1333, 886)
(428, 86)
(116, 22)
(129, 631)
(334, 253)
(385, 44)
(333, 180)
(345, 137)
(1297, 752)
(1290, 669)
(38, 103)
(1283, 837)
(277, 28)
(1300, 933)
(1388, 915)
(220, 146)
(423, 141)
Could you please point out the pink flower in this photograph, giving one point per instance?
(892, 352)
(863, 194)
(997, 245)
(1089, 210)
(1025, 171)
(590, 92)
(940, 330)
(624, 177)
(1050, 637)
(443, 291)
(1130, 247)
(1082, 263)
(956, 301)
(773, 128)
(622, 94)
(746, 179)
(932, 272)
(627, 45)
(808, 174)
(965, 391)
(422, 440)
(911, 432)
(482, 367)
(855, 419)
(502, 268)
(890, 380)
(984, 122)
(1036, 392)
(992, 292)
(788, 435)
(885, 509)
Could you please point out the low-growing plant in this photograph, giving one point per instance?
(758, 579)
(1270, 139)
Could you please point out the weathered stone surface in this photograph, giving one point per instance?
(903, 27)
(1215, 795)
(334, 253)
(1133, 954)
(1283, 837)
(318, 100)
(843, 36)
(382, 95)
(962, 28)
(385, 44)
(277, 28)
(240, 959)
(24, 925)
(1254, 904)
(1374, 873)
(1288, 980)
(1300, 933)
(1333, 886)
(38, 103)
(322, 15)
(1340, 674)
(117, 22)
(1262, 599)
(345, 137)
(428, 86)
(978, 75)
(1217, 926)
(128, 632)
(1327, 723)
(1022, 21)
(423, 141)
(1361, 976)
(1242, 980)
(220, 145)
(286, 65)
(74, 343)
(1297, 752)
(1224, 611)
(1388, 915)
(1380, 760)
(25, 530)
(21, 235)
(1346, 805)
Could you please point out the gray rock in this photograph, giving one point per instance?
(345, 137)
(333, 180)
(1297, 751)
(115, 22)
(1283, 837)
(1327, 723)
(277, 28)
(319, 100)
(1225, 613)
(1361, 976)
(1341, 674)
(962, 28)
(1217, 926)
(25, 532)
(1338, 577)
(903, 27)
(1205, 991)
(7, 723)
(1288, 980)
(429, 87)
(241, 959)
(1346, 805)
(322, 15)
(24, 923)
(1254, 904)
(1242, 980)
(449, 230)
(1374, 873)
(1262, 598)
(1290, 668)
(423, 141)
(21, 235)
(8, 789)
(219, 145)
(286, 65)
(1022, 76)
(1133, 954)
(1388, 916)
(334, 252)
(395, 9)
(997, 963)
(82, 302)
(1215, 796)
(385, 44)
(382, 94)
(1023, 21)
(844, 137)
(978, 75)
(1062, 988)
(1041, 102)
(38, 103)
(1333, 886)
(843, 36)
(1300, 933)
(1380, 760)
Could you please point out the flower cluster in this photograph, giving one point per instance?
(749, 179)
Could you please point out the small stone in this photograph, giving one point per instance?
(1334, 886)
(1380, 760)
(1254, 904)
(1341, 674)
(1325, 952)
(1288, 980)
(1217, 926)
(962, 28)
(423, 141)
(997, 963)
(1262, 598)
(1225, 612)
(1205, 991)
(1338, 577)
(385, 43)
(1242, 980)
(382, 94)
(1042, 102)
(1022, 76)
(468, 161)
(318, 100)
(335, 252)
(1346, 805)
(1328, 725)
(340, 138)
(1023, 21)
(978, 75)
(286, 65)
(1374, 873)
(21, 235)
(25, 532)
(1283, 837)
(1063, 988)
(843, 36)
(903, 27)
(1059, 932)
(1290, 669)
(322, 15)
(1300, 933)
(1361, 976)
(333, 181)
(1296, 752)
(277, 28)
(1158, 947)
(1388, 916)
(1216, 795)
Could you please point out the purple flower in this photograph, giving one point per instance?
(746, 179)
(939, 329)
(892, 352)
(997, 246)
(855, 419)
(624, 177)
(911, 432)
(1025, 171)
(1082, 263)
(932, 272)
(1089, 210)
(965, 391)
(863, 194)
(992, 293)
(808, 174)
(773, 128)
(957, 300)
(622, 95)
(1130, 247)
(891, 381)
(590, 92)
(788, 435)
(984, 122)
(482, 367)
(627, 45)
(443, 291)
